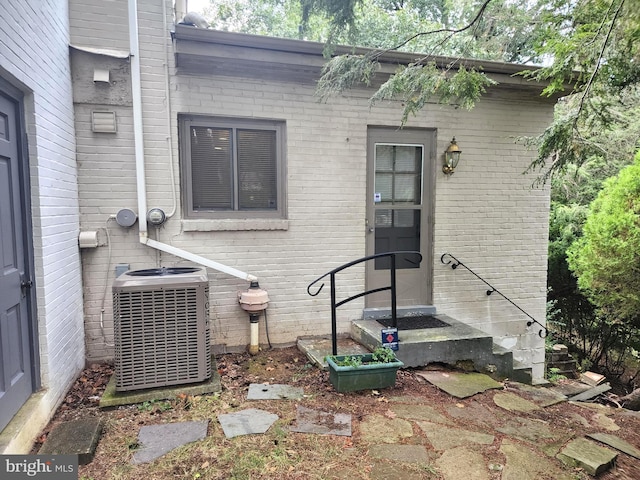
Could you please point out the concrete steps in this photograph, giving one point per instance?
(560, 359)
(456, 344)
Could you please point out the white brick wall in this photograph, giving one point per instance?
(100, 24)
(34, 36)
(486, 214)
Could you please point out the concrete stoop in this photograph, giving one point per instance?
(456, 344)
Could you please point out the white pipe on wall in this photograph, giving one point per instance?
(200, 260)
(180, 9)
(138, 134)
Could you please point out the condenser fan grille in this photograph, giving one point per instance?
(162, 335)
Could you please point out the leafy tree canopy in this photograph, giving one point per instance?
(606, 259)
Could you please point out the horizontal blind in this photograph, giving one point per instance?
(257, 169)
(211, 168)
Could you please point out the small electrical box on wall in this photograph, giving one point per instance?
(92, 238)
(88, 239)
(121, 268)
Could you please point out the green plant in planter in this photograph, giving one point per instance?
(351, 361)
(375, 370)
(383, 355)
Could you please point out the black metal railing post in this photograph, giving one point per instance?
(394, 301)
(392, 287)
(334, 316)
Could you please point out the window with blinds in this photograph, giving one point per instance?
(232, 167)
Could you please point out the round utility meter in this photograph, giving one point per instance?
(156, 216)
(126, 217)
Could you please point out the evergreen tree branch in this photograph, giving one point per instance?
(451, 31)
(596, 68)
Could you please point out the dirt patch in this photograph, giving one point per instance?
(281, 453)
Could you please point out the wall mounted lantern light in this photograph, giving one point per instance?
(451, 157)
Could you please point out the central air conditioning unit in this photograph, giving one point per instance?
(161, 327)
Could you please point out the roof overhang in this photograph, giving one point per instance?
(214, 52)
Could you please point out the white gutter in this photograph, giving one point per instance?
(136, 90)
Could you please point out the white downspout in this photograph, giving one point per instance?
(136, 91)
(180, 9)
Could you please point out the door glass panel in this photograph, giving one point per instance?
(398, 189)
(397, 230)
(407, 158)
(384, 158)
(405, 189)
(398, 175)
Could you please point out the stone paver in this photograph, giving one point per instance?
(156, 440)
(419, 412)
(478, 414)
(533, 431)
(617, 443)
(524, 464)
(458, 384)
(586, 454)
(246, 422)
(514, 403)
(602, 421)
(444, 438)
(380, 429)
(383, 470)
(267, 391)
(541, 396)
(76, 437)
(401, 453)
(462, 464)
(315, 421)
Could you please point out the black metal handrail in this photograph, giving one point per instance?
(392, 287)
(493, 289)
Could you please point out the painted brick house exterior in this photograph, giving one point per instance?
(486, 214)
(35, 76)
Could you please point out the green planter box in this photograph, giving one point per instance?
(363, 377)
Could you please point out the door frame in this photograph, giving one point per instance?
(17, 97)
(385, 134)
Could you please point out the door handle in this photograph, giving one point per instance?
(371, 229)
(24, 285)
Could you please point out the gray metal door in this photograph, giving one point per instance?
(16, 382)
(399, 212)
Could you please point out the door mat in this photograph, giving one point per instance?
(414, 323)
